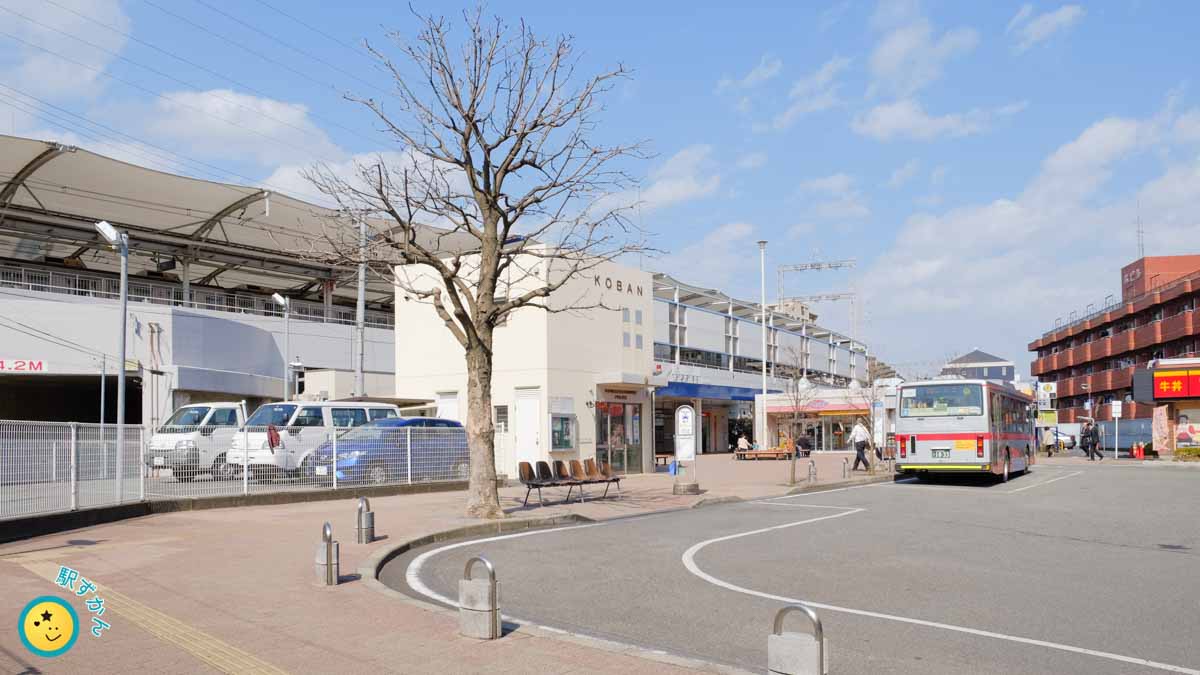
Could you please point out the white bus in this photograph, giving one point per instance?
(964, 426)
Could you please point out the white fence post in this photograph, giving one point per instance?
(74, 466)
(245, 459)
(54, 462)
(333, 459)
(120, 468)
(143, 440)
(408, 452)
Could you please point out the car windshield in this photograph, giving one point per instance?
(187, 417)
(277, 414)
(941, 400)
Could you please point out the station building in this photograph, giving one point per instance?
(1094, 357)
(604, 382)
(205, 259)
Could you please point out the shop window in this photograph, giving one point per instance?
(562, 432)
(500, 418)
(663, 352)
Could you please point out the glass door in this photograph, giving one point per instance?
(619, 436)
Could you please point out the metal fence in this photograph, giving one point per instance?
(48, 467)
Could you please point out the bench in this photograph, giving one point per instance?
(663, 458)
(562, 476)
(771, 453)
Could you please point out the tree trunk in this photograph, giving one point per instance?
(483, 500)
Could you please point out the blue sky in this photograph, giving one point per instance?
(984, 162)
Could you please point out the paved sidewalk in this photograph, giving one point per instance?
(233, 590)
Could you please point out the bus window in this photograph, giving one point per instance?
(941, 400)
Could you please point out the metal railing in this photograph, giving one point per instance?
(1120, 303)
(46, 280)
(50, 467)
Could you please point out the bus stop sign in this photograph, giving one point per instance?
(1047, 418)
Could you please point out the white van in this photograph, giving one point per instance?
(194, 440)
(301, 427)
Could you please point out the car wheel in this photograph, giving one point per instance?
(221, 469)
(377, 475)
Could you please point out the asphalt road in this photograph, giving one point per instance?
(1062, 571)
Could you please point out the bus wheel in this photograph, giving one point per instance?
(1005, 478)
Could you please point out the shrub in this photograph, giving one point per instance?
(1187, 455)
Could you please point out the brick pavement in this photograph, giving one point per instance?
(233, 590)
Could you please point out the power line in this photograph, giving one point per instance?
(275, 39)
(193, 64)
(102, 72)
(168, 76)
(354, 48)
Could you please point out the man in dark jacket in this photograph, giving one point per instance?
(1091, 442)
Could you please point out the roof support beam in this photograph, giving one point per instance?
(10, 188)
(208, 278)
(207, 226)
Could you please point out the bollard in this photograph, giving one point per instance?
(797, 653)
(479, 603)
(365, 531)
(326, 558)
(812, 471)
(845, 467)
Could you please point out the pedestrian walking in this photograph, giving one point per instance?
(1094, 442)
(805, 446)
(1049, 441)
(859, 436)
(743, 442)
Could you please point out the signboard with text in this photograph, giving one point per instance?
(1176, 383)
(685, 433)
(1047, 418)
(1115, 406)
(8, 365)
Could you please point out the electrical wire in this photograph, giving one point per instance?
(277, 40)
(202, 67)
(134, 85)
(357, 49)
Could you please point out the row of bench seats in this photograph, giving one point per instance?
(574, 475)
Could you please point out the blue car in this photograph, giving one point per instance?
(396, 450)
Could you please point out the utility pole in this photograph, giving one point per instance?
(360, 311)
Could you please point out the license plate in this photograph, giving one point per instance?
(322, 470)
(159, 461)
(941, 454)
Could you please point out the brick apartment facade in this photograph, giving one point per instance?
(1099, 353)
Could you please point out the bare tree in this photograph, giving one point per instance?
(800, 391)
(500, 195)
(869, 395)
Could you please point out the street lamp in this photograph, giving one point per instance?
(762, 270)
(287, 371)
(120, 242)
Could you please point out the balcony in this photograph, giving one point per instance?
(1102, 348)
(1175, 327)
(1121, 342)
(1069, 387)
(1121, 378)
(1148, 335)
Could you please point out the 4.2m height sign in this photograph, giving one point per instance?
(22, 366)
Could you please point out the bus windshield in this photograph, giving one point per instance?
(941, 400)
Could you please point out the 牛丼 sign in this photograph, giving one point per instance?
(1176, 383)
(22, 366)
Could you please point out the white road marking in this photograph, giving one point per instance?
(689, 561)
(825, 492)
(798, 506)
(1045, 482)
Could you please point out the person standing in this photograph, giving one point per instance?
(859, 436)
(743, 444)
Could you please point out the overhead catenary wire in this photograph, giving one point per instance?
(188, 62)
(357, 49)
(134, 85)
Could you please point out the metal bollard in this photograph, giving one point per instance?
(797, 653)
(812, 471)
(845, 467)
(365, 531)
(479, 603)
(327, 558)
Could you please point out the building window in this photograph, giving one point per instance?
(625, 338)
(625, 314)
(501, 418)
(637, 317)
(562, 432)
(663, 352)
(638, 341)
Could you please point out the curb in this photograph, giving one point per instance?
(368, 572)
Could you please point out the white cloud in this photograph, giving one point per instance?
(813, 93)
(687, 175)
(911, 55)
(1029, 30)
(800, 230)
(709, 262)
(1187, 127)
(831, 15)
(45, 75)
(768, 67)
(843, 199)
(907, 119)
(752, 160)
(904, 173)
(989, 264)
(224, 124)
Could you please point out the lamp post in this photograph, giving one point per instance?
(287, 371)
(762, 272)
(120, 241)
